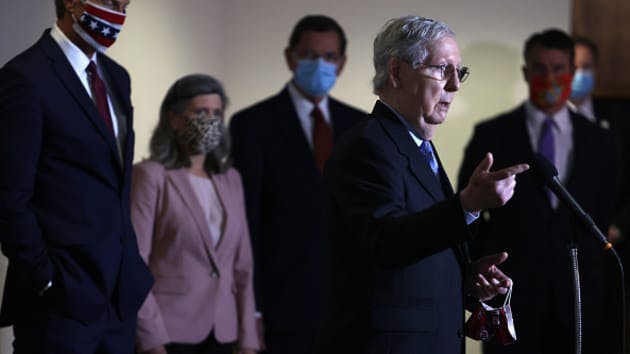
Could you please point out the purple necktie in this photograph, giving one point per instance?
(546, 143)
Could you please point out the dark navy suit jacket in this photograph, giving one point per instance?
(285, 210)
(64, 192)
(616, 114)
(535, 237)
(397, 234)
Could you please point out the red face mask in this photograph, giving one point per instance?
(546, 93)
(490, 324)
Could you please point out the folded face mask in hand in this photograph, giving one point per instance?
(491, 324)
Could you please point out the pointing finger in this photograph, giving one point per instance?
(509, 171)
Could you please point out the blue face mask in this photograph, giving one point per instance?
(315, 77)
(582, 85)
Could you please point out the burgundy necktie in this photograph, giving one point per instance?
(100, 95)
(322, 138)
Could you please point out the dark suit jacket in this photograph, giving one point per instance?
(535, 236)
(616, 115)
(285, 211)
(64, 193)
(396, 235)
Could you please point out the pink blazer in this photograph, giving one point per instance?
(198, 288)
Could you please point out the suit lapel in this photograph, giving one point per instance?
(580, 151)
(66, 75)
(292, 136)
(181, 182)
(336, 119)
(223, 194)
(516, 147)
(400, 136)
(447, 187)
(118, 93)
(340, 123)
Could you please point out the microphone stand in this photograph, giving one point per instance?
(547, 174)
(577, 290)
(573, 253)
(623, 300)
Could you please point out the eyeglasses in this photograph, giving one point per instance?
(311, 55)
(447, 71)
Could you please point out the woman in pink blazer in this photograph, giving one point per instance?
(188, 212)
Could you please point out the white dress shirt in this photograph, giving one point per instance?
(469, 216)
(79, 62)
(211, 204)
(562, 138)
(586, 109)
(304, 107)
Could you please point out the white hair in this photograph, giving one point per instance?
(407, 38)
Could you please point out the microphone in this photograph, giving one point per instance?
(548, 175)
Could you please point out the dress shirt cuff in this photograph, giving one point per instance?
(470, 217)
(43, 290)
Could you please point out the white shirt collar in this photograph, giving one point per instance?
(304, 106)
(412, 133)
(78, 60)
(585, 109)
(536, 117)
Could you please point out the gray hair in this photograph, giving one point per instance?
(164, 147)
(408, 38)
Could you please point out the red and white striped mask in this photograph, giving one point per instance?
(99, 26)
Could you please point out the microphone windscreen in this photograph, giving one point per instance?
(544, 169)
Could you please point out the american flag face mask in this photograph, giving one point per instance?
(99, 26)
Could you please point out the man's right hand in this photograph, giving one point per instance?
(488, 189)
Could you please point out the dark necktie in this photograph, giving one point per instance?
(546, 145)
(322, 138)
(99, 95)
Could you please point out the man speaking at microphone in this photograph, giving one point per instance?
(399, 234)
(535, 226)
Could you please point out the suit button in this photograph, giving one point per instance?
(213, 274)
(460, 333)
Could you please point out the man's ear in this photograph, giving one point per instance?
(288, 57)
(393, 72)
(340, 64)
(524, 71)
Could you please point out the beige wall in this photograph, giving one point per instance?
(241, 43)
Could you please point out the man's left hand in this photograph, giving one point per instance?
(485, 280)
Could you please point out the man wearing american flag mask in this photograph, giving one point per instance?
(75, 279)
